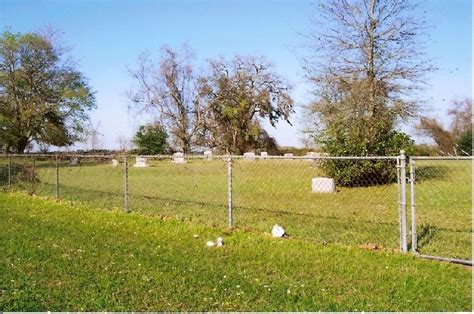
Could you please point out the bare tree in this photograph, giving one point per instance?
(168, 87)
(367, 58)
(238, 93)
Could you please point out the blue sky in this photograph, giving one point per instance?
(107, 36)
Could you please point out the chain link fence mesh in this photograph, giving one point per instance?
(443, 202)
(192, 189)
(280, 191)
(364, 209)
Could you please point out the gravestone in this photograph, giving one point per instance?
(208, 155)
(312, 156)
(323, 185)
(263, 155)
(178, 158)
(249, 156)
(115, 162)
(140, 162)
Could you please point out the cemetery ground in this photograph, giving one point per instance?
(69, 256)
(268, 192)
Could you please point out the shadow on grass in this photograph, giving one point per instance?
(427, 233)
(428, 172)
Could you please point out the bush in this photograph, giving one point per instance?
(353, 173)
(151, 139)
(464, 146)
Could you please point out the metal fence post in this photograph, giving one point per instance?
(57, 177)
(9, 171)
(414, 240)
(230, 218)
(126, 183)
(403, 201)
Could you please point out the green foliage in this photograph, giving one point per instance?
(151, 140)
(239, 94)
(64, 257)
(464, 146)
(424, 150)
(349, 141)
(43, 99)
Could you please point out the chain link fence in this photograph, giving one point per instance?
(354, 201)
(441, 205)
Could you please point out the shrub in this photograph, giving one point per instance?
(353, 173)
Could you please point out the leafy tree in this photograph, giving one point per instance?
(43, 98)
(464, 146)
(367, 56)
(168, 87)
(237, 94)
(151, 139)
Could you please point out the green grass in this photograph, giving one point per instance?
(61, 256)
(279, 191)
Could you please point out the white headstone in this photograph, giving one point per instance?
(140, 162)
(288, 155)
(115, 163)
(249, 156)
(263, 155)
(178, 158)
(312, 155)
(323, 185)
(208, 154)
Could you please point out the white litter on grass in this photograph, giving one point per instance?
(277, 231)
(210, 243)
(220, 242)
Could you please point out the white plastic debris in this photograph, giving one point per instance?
(218, 243)
(210, 243)
(277, 231)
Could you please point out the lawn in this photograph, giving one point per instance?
(267, 192)
(70, 257)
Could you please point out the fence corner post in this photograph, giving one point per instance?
(9, 171)
(57, 178)
(125, 162)
(414, 239)
(230, 216)
(403, 201)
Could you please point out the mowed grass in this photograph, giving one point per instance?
(61, 256)
(268, 192)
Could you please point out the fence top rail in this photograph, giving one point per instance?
(441, 157)
(69, 155)
(266, 157)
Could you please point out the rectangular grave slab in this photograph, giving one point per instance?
(323, 185)
(140, 162)
(249, 156)
(178, 158)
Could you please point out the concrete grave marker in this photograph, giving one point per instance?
(323, 185)
(208, 155)
(249, 156)
(140, 162)
(263, 155)
(178, 158)
(115, 162)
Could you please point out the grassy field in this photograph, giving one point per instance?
(279, 191)
(62, 256)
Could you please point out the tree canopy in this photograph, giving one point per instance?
(151, 139)
(43, 98)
